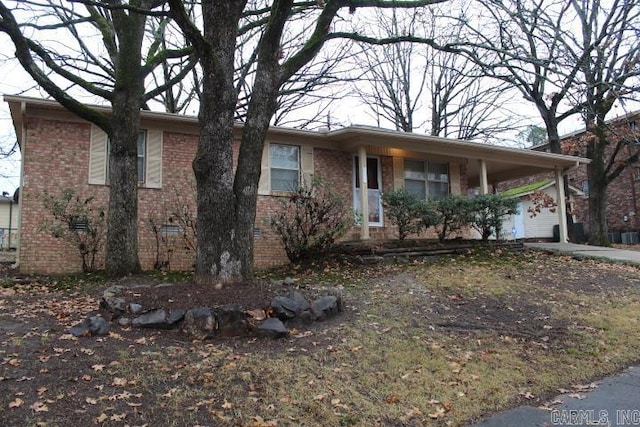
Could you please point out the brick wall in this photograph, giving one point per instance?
(56, 156)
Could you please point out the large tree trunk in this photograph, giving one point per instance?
(122, 222)
(219, 257)
(597, 195)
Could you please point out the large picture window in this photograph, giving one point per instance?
(426, 179)
(284, 161)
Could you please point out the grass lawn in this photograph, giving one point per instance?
(440, 342)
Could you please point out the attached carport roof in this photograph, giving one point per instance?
(502, 163)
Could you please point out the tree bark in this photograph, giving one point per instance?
(218, 251)
(597, 194)
(121, 256)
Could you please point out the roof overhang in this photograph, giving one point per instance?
(502, 163)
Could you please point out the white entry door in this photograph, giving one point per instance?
(374, 190)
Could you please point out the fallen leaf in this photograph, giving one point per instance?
(41, 390)
(102, 418)
(91, 400)
(16, 403)
(227, 404)
(39, 407)
(97, 368)
(118, 417)
(392, 399)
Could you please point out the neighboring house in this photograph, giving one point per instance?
(59, 150)
(622, 193)
(536, 217)
(8, 222)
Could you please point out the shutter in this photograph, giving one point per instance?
(154, 159)
(454, 178)
(306, 164)
(98, 156)
(265, 175)
(398, 173)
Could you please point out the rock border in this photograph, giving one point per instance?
(289, 310)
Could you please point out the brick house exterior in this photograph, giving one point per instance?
(623, 206)
(60, 150)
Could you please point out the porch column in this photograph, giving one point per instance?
(562, 207)
(364, 193)
(484, 182)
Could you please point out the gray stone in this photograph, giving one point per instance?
(135, 308)
(369, 260)
(99, 326)
(115, 305)
(91, 326)
(112, 291)
(326, 307)
(271, 328)
(124, 321)
(297, 296)
(200, 323)
(233, 321)
(159, 319)
(285, 308)
(289, 281)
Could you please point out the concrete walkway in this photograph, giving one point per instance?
(616, 399)
(586, 251)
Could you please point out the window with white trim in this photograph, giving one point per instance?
(284, 162)
(426, 179)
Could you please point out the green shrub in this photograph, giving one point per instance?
(404, 210)
(450, 214)
(310, 220)
(488, 212)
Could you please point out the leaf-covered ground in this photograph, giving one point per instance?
(441, 342)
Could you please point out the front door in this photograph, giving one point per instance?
(374, 187)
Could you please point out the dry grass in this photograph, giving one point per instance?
(435, 343)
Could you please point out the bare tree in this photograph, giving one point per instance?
(440, 89)
(566, 57)
(608, 75)
(115, 71)
(226, 200)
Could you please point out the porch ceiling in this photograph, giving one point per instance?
(502, 163)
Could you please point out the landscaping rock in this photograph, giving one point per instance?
(369, 260)
(289, 281)
(134, 308)
(233, 321)
(200, 323)
(300, 299)
(271, 328)
(115, 305)
(325, 307)
(91, 326)
(112, 291)
(160, 319)
(285, 308)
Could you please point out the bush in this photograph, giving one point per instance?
(488, 211)
(404, 210)
(310, 220)
(76, 221)
(449, 214)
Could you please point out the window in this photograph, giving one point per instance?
(148, 158)
(285, 167)
(426, 179)
(170, 229)
(585, 188)
(142, 155)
